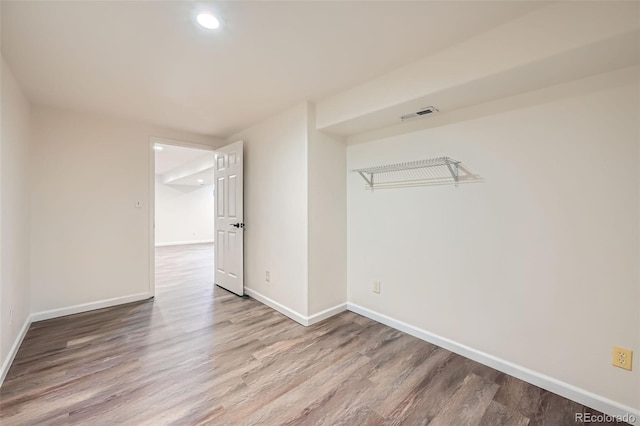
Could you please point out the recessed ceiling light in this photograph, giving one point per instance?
(158, 148)
(200, 181)
(208, 21)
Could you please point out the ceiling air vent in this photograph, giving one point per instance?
(422, 112)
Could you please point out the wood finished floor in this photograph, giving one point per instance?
(200, 355)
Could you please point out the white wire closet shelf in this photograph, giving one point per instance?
(432, 171)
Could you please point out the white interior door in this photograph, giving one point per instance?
(229, 222)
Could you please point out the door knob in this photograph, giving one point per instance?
(238, 225)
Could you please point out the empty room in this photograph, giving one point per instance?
(320, 212)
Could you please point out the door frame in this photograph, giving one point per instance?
(152, 198)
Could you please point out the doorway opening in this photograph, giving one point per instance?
(182, 214)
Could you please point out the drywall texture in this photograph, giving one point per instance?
(14, 210)
(538, 265)
(327, 158)
(275, 208)
(89, 241)
(184, 214)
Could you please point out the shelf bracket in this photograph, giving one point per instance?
(453, 169)
(369, 179)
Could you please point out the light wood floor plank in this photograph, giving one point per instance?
(199, 355)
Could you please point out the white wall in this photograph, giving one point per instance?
(327, 220)
(275, 208)
(14, 211)
(89, 242)
(295, 211)
(538, 265)
(184, 214)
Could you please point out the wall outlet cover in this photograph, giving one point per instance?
(622, 357)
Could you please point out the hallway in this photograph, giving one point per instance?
(184, 264)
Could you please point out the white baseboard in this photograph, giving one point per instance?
(566, 390)
(184, 243)
(91, 306)
(4, 369)
(55, 313)
(326, 313)
(297, 317)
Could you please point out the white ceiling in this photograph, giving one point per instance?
(611, 54)
(202, 178)
(148, 61)
(177, 163)
(172, 157)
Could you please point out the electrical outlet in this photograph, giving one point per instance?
(621, 357)
(267, 276)
(376, 287)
